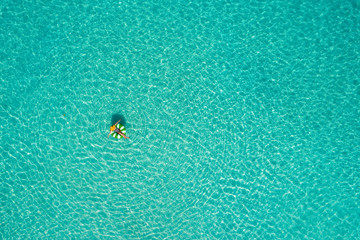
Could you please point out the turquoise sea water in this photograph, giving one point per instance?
(243, 118)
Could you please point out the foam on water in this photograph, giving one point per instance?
(242, 116)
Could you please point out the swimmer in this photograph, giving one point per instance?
(113, 128)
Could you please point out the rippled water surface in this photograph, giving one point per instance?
(243, 118)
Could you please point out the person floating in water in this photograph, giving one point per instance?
(113, 128)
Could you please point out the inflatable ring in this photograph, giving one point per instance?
(122, 129)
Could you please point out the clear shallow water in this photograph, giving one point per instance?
(243, 119)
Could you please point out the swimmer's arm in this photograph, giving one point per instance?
(116, 123)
